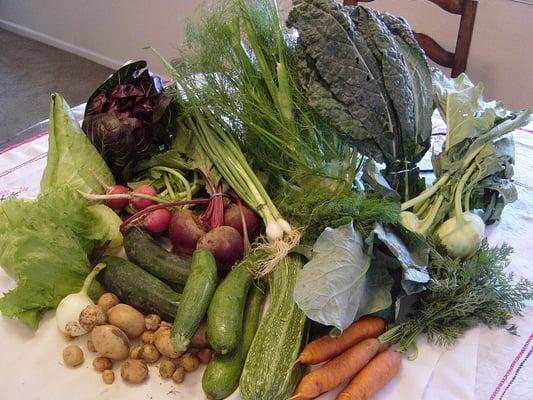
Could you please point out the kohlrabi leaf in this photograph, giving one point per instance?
(72, 159)
(332, 286)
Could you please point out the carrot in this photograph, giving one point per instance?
(383, 346)
(324, 348)
(373, 377)
(337, 370)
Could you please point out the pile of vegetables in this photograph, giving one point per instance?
(280, 163)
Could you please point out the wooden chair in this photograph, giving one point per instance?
(458, 59)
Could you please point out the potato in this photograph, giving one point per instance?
(205, 355)
(111, 342)
(148, 337)
(134, 371)
(90, 346)
(199, 340)
(149, 353)
(126, 318)
(166, 369)
(100, 364)
(189, 362)
(163, 343)
(73, 355)
(108, 300)
(179, 375)
(108, 377)
(135, 352)
(152, 322)
(91, 316)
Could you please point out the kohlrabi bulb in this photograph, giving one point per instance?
(461, 236)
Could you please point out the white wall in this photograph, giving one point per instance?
(113, 31)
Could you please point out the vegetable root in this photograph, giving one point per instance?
(327, 347)
(333, 373)
(372, 377)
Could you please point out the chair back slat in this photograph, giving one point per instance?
(434, 50)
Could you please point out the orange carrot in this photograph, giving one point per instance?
(383, 346)
(324, 348)
(337, 370)
(373, 377)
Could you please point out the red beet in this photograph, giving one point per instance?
(157, 221)
(139, 203)
(226, 245)
(117, 204)
(184, 231)
(232, 217)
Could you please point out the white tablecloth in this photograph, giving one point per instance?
(485, 364)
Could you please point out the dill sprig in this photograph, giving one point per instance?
(464, 294)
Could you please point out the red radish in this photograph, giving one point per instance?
(140, 203)
(157, 221)
(117, 204)
(226, 245)
(232, 217)
(184, 231)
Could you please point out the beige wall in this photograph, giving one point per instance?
(113, 31)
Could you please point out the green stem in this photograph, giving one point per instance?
(426, 194)
(180, 177)
(459, 192)
(428, 219)
(89, 279)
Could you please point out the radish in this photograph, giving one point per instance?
(157, 221)
(226, 245)
(232, 217)
(184, 230)
(117, 204)
(141, 203)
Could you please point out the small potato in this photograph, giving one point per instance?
(126, 318)
(163, 343)
(165, 324)
(149, 353)
(134, 371)
(108, 300)
(179, 375)
(189, 362)
(205, 355)
(90, 346)
(199, 340)
(148, 337)
(108, 377)
(100, 364)
(72, 355)
(135, 352)
(152, 322)
(166, 369)
(109, 341)
(91, 316)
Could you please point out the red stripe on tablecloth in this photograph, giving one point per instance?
(511, 367)
(526, 130)
(29, 140)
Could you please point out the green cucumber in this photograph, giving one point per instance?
(136, 287)
(225, 314)
(195, 299)
(144, 251)
(270, 371)
(221, 377)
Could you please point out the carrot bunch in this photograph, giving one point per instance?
(357, 354)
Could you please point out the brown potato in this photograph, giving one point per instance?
(100, 364)
(199, 340)
(166, 369)
(205, 355)
(148, 337)
(189, 362)
(111, 342)
(90, 346)
(149, 353)
(126, 318)
(108, 377)
(108, 300)
(152, 322)
(163, 343)
(73, 355)
(135, 352)
(134, 371)
(179, 375)
(91, 316)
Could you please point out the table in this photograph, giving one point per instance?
(485, 364)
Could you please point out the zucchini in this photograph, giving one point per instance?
(144, 251)
(195, 299)
(270, 371)
(221, 377)
(139, 289)
(225, 314)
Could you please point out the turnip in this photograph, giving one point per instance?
(226, 245)
(184, 230)
(157, 221)
(117, 204)
(141, 203)
(232, 217)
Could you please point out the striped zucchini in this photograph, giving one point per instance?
(270, 372)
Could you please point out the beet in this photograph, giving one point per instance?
(232, 217)
(184, 230)
(226, 245)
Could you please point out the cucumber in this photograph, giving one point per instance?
(221, 377)
(144, 251)
(139, 289)
(195, 299)
(225, 314)
(270, 371)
